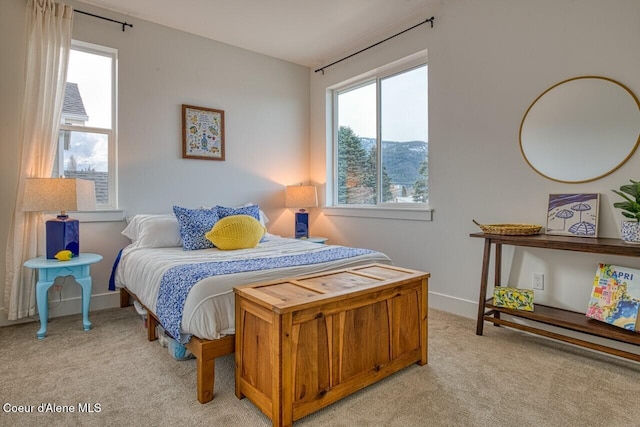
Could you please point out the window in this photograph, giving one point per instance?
(381, 143)
(87, 140)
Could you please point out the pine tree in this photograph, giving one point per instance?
(370, 177)
(387, 194)
(420, 188)
(357, 170)
(352, 165)
(73, 164)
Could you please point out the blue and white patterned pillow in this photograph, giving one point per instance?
(253, 210)
(194, 224)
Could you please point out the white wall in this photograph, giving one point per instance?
(266, 104)
(488, 60)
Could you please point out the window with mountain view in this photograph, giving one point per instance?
(381, 148)
(86, 144)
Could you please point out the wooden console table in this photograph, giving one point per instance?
(566, 319)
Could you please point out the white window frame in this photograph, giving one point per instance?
(111, 133)
(405, 211)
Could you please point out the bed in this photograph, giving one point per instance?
(190, 292)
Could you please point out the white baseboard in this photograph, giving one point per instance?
(69, 306)
(459, 306)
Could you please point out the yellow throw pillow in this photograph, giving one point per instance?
(236, 232)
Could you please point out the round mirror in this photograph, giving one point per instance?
(580, 129)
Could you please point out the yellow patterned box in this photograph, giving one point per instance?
(513, 298)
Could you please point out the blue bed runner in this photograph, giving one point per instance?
(112, 278)
(178, 281)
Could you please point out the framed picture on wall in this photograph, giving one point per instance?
(573, 214)
(202, 133)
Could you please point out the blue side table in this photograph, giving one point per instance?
(49, 270)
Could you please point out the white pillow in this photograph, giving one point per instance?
(159, 233)
(154, 231)
(132, 231)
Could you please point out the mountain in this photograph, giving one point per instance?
(401, 159)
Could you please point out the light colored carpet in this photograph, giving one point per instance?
(504, 378)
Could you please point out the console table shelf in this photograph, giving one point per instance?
(565, 319)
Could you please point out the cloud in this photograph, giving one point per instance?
(90, 150)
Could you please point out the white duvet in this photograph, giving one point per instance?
(209, 308)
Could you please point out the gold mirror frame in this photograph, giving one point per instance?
(580, 129)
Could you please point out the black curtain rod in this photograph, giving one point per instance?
(376, 44)
(124, 24)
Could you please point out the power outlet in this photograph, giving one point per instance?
(538, 281)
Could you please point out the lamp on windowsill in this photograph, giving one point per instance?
(301, 197)
(60, 194)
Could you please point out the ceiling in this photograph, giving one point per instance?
(305, 32)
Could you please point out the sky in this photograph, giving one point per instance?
(92, 73)
(403, 107)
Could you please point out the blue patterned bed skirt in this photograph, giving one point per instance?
(178, 281)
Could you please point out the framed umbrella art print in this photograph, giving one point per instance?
(573, 214)
(202, 133)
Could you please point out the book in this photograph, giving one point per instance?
(615, 298)
(513, 298)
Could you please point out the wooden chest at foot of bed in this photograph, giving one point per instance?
(304, 343)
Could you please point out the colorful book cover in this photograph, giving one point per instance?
(513, 298)
(615, 298)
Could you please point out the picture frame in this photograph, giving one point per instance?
(573, 214)
(202, 133)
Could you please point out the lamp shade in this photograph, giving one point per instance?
(301, 196)
(59, 194)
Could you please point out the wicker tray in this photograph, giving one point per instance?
(509, 229)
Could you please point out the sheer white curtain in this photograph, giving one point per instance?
(49, 25)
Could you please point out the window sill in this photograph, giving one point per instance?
(92, 216)
(404, 213)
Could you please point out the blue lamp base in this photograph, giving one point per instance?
(302, 225)
(63, 234)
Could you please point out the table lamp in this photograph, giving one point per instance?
(302, 197)
(60, 194)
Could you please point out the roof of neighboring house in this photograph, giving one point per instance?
(101, 180)
(73, 104)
